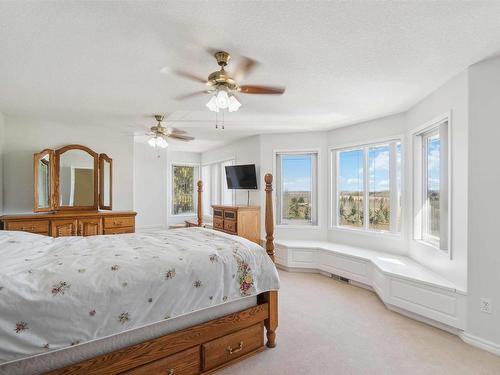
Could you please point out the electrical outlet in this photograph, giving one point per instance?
(486, 305)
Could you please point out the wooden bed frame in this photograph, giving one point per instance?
(203, 348)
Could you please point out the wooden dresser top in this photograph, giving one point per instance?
(66, 214)
(237, 207)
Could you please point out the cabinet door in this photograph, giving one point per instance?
(89, 227)
(63, 227)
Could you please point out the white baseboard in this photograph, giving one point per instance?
(423, 319)
(480, 343)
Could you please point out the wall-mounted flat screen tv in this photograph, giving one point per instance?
(241, 177)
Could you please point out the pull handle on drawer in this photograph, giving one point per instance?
(171, 372)
(231, 351)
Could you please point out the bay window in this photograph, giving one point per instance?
(296, 188)
(431, 190)
(367, 187)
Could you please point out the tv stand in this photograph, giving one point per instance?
(242, 221)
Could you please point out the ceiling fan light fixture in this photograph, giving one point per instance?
(158, 142)
(233, 104)
(222, 99)
(212, 104)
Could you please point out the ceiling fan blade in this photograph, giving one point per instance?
(250, 89)
(190, 76)
(190, 95)
(180, 137)
(177, 131)
(245, 66)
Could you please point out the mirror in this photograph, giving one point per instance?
(76, 180)
(43, 188)
(105, 182)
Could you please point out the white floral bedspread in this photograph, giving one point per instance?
(57, 292)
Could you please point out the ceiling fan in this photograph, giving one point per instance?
(160, 133)
(224, 84)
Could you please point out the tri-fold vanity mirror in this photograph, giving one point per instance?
(73, 177)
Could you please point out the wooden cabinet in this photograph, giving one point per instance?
(59, 224)
(63, 227)
(243, 221)
(89, 227)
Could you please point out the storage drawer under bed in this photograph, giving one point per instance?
(186, 362)
(227, 348)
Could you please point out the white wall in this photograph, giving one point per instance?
(152, 187)
(26, 136)
(311, 141)
(484, 206)
(453, 97)
(244, 151)
(2, 142)
(379, 129)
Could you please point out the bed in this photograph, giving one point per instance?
(184, 301)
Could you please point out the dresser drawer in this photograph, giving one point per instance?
(227, 348)
(186, 362)
(230, 215)
(218, 223)
(217, 212)
(119, 222)
(35, 226)
(230, 226)
(119, 230)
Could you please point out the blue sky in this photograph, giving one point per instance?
(433, 149)
(351, 169)
(296, 171)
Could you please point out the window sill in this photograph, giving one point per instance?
(366, 233)
(298, 226)
(432, 246)
(184, 214)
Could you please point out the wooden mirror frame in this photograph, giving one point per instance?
(36, 157)
(58, 154)
(105, 158)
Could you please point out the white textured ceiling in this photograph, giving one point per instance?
(98, 63)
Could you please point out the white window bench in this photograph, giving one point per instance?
(403, 284)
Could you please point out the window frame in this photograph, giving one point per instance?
(316, 172)
(220, 180)
(443, 126)
(395, 199)
(196, 174)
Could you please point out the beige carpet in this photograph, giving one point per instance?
(327, 327)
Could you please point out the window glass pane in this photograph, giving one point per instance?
(227, 194)
(296, 188)
(432, 149)
(350, 184)
(183, 186)
(379, 207)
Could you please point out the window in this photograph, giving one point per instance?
(296, 188)
(368, 187)
(183, 189)
(215, 189)
(431, 185)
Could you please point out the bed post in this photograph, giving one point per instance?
(271, 297)
(200, 203)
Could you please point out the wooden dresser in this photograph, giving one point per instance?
(243, 221)
(67, 223)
